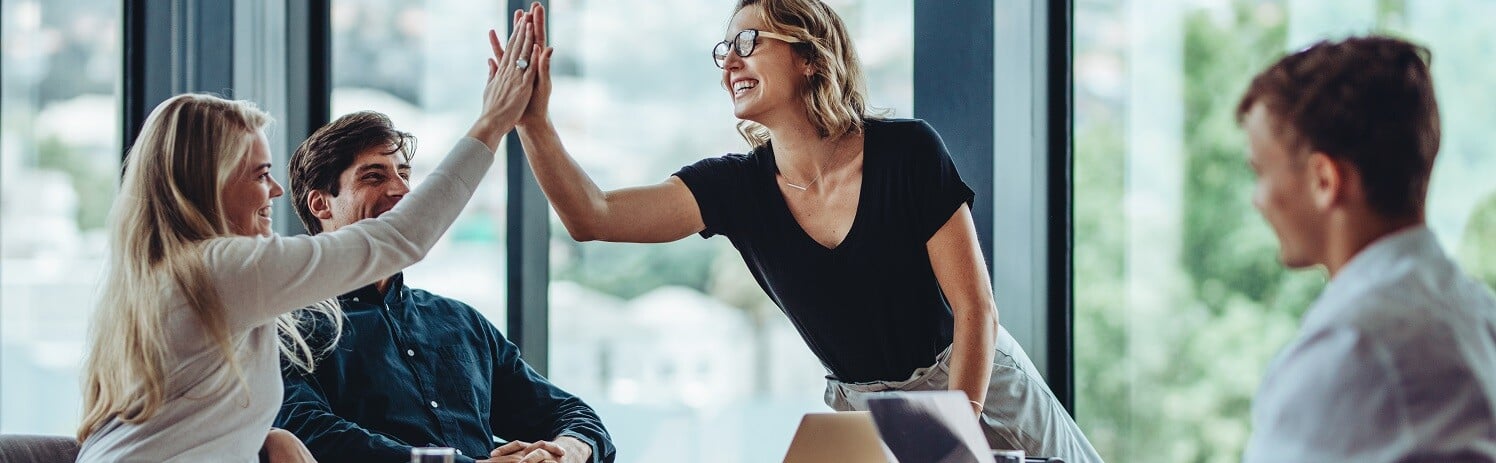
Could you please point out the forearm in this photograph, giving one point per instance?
(332, 439)
(972, 351)
(579, 202)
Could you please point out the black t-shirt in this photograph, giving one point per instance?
(871, 308)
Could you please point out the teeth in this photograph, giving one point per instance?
(741, 85)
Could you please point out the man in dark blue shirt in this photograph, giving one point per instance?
(411, 368)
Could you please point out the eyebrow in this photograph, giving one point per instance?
(262, 167)
(375, 166)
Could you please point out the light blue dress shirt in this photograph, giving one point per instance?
(1396, 362)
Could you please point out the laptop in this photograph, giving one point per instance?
(936, 427)
(843, 437)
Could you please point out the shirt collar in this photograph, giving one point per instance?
(369, 294)
(1371, 267)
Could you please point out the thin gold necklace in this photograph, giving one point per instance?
(825, 168)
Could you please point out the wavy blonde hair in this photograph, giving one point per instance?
(836, 97)
(169, 205)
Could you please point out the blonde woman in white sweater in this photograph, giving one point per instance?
(183, 359)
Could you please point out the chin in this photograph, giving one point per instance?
(1295, 262)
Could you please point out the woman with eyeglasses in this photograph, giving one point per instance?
(199, 298)
(858, 228)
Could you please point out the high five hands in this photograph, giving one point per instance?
(518, 87)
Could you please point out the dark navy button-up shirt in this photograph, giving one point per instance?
(416, 369)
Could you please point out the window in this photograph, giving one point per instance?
(675, 345)
(424, 65)
(1180, 299)
(59, 162)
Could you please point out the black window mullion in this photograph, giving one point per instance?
(1060, 149)
(172, 47)
(528, 249)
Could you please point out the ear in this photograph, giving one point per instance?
(319, 203)
(1327, 181)
(806, 69)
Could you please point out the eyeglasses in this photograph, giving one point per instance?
(744, 43)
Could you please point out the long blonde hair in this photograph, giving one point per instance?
(836, 100)
(169, 204)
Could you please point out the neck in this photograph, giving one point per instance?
(383, 286)
(1348, 237)
(800, 151)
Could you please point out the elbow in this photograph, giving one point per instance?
(581, 235)
(589, 224)
(582, 231)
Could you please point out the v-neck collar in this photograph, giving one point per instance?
(783, 204)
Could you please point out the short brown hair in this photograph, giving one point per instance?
(1368, 101)
(323, 157)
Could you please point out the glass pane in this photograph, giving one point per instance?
(59, 162)
(1180, 299)
(674, 344)
(423, 63)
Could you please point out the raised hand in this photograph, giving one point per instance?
(538, 109)
(511, 81)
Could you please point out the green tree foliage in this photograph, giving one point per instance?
(1175, 383)
(92, 181)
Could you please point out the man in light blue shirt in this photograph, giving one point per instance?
(1396, 360)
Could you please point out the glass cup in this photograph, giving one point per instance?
(436, 455)
(1008, 456)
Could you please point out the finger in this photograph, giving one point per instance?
(508, 448)
(526, 41)
(514, 34)
(545, 61)
(537, 12)
(547, 446)
(493, 42)
(493, 68)
(538, 456)
(534, 58)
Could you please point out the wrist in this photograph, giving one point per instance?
(490, 132)
(532, 122)
(575, 447)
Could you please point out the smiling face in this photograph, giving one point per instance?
(770, 81)
(248, 191)
(378, 178)
(1284, 191)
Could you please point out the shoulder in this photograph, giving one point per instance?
(428, 299)
(1335, 374)
(728, 162)
(722, 173)
(912, 130)
(1399, 310)
(910, 146)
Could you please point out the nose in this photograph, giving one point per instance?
(275, 189)
(733, 61)
(399, 187)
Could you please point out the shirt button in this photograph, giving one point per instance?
(355, 299)
(410, 352)
(433, 404)
(459, 452)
